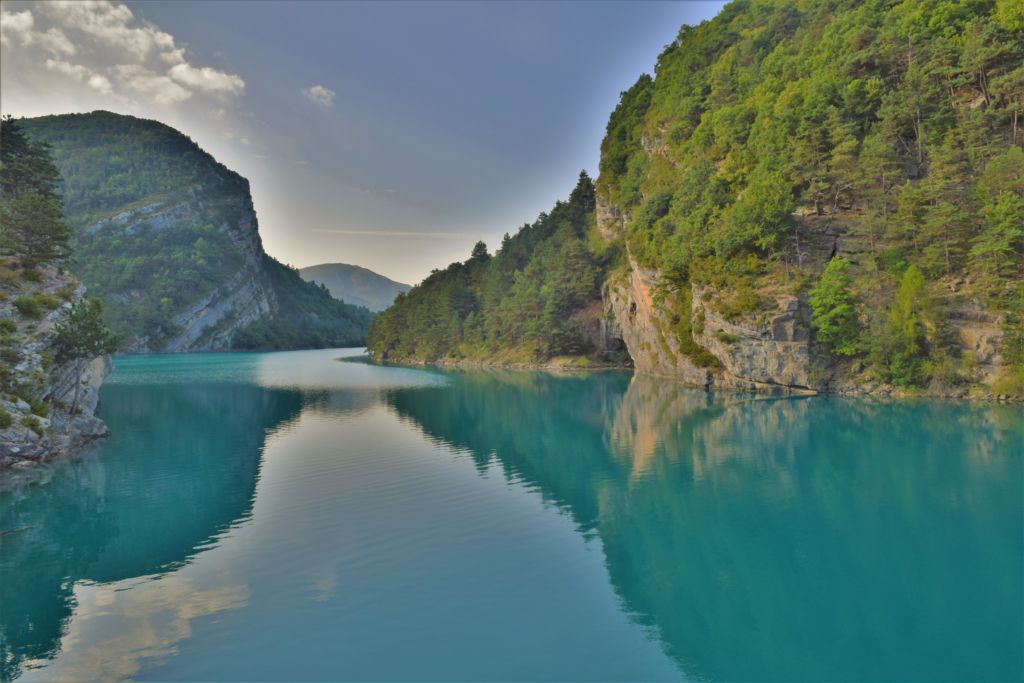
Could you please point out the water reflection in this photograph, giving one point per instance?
(752, 538)
(112, 518)
(180, 469)
(774, 539)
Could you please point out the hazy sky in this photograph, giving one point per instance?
(391, 135)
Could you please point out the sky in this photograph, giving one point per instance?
(392, 135)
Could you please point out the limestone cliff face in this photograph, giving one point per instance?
(167, 237)
(769, 353)
(61, 416)
(773, 355)
(222, 309)
(646, 329)
(773, 350)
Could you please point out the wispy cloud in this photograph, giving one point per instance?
(396, 233)
(320, 94)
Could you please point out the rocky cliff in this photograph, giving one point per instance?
(824, 196)
(51, 408)
(772, 349)
(168, 239)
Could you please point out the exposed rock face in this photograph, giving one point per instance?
(646, 329)
(244, 297)
(771, 356)
(981, 335)
(772, 350)
(601, 331)
(167, 238)
(775, 353)
(31, 437)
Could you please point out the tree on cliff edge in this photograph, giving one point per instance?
(79, 336)
(32, 225)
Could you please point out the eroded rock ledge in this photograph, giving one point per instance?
(47, 428)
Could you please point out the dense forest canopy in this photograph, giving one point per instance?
(517, 304)
(895, 124)
(906, 113)
(109, 162)
(898, 121)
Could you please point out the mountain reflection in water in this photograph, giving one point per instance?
(255, 504)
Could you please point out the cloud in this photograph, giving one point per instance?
(21, 26)
(206, 78)
(116, 52)
(83, 74)
(175, 56)
(108, 23)
(320, 94)
(54, 41)
(160, 89)
(16, 25)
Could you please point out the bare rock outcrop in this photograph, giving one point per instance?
(48, 410)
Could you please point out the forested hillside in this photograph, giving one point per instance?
(523, 304)
(167, 237)
(824, 193)
(355, 285)
(895, 125)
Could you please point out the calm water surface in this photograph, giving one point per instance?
(288, 516)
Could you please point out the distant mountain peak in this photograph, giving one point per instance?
(355, 284)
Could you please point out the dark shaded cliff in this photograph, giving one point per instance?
(167, 237)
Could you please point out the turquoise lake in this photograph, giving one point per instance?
(288, 516)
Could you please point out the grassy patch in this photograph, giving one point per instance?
(685, 325)
(726, 337)
(1011, 382)
(29, 307)
(33, 423)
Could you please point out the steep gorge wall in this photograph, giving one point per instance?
(167, 238)
(221, 309)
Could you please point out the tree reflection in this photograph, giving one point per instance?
(773, 538)
(181, 468)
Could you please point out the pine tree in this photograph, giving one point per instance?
(833, 309)
(32, 225)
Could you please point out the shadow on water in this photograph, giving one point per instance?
(773, 538)
(160, 494)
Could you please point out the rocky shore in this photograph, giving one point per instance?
(48, 409)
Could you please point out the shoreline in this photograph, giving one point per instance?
(849, 389)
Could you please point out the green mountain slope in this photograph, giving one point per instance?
(167, 237)
(822, 194)
(534, 299)
(355, 285)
